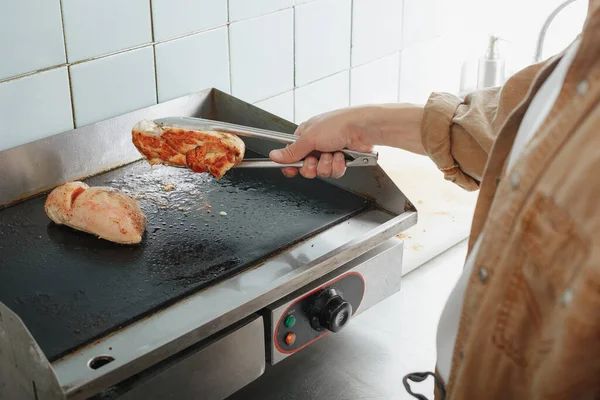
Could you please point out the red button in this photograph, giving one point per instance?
(290, 338)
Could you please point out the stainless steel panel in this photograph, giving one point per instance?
(367, 360)
(381, 269)
(212, 373)
(25, 373)
(382, 273)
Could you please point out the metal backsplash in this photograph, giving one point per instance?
(41, 165)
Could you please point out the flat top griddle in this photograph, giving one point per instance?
(70, 287)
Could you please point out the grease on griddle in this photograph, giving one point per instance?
(172, 189)
(123, 285)
(56, 306)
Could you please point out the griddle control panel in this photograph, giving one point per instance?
(323, 310)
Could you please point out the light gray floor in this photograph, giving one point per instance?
(368, 359)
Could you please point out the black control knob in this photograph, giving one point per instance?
(330, 311)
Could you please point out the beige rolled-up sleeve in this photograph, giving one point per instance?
(458, 134)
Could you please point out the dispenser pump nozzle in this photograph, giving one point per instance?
(492, 52)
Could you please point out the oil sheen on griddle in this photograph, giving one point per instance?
(70, 287)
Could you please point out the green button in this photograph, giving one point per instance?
(289, 321)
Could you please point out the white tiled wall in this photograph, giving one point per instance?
(423, 21)
(427, 67)
(281, 105)
(113, 85)
(173, 18)
(180, 71)
(321, 96)
(94, 28)
(262, 56)
(322, 39)
(242, 9)
(31, 38)
(376, 29)
(375, 82)
(34, 107)
(68, 63)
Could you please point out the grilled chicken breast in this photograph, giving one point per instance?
(102, 211)
(201, 151)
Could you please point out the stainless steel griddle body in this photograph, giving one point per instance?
(211, 342)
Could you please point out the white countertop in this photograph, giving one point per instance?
(445, 210)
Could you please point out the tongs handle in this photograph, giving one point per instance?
(267, 163)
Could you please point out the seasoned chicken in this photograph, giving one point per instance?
(102, 211)
(201, 151)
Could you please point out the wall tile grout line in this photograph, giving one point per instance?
(64, 32)
(257, 16)
(403, 25)
(69, 81)
(152, 21)
(351, 43)
(401, 48)
(272, 97)
(376, 59)
(155, 74)
(293, 105)
(153, 49)
(323, 78)
(294, 42)
(229, 49)
(420, 42)
(294, 67)
(35, 72)
(399, 75)
(67, 64)
(74, 116)
(350, 69)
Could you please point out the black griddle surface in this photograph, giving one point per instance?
(70, 287)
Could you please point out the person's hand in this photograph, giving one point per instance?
(358, 129)
(327, 133)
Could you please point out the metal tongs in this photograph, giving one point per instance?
(353, 158)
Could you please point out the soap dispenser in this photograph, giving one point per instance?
(490, 72)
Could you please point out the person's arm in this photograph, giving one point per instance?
(392, 125)
(456, 134)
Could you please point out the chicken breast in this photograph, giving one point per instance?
(201, 151)
(102, 211)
